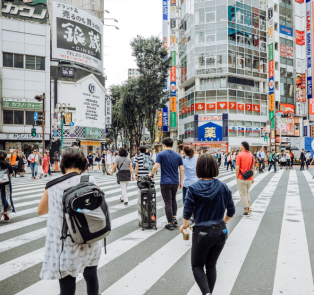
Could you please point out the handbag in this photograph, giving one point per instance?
(247, 174)
(123, 175)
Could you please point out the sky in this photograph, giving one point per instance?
(136, 17)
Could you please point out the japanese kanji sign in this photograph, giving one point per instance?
(76, 35)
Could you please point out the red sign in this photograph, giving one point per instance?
(189, 109)
(192, 107)
(308, 21)
(287, 108)
(173, 74)
(283, 50)
(299, 1)
(232, 105)
(271, 68)
(300, 37)
(248, 107)
(289, 52)
(240, 106)
(210, 106)
(256, 108)
(222, 105)
(311, 106)
(200, 106)
(180, 113)
(210, 118)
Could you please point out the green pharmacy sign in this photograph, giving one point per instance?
(33, 10)
(92, 133)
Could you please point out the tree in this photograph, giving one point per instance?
(153, 66)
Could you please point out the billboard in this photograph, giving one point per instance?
(165, 119)
(76, 36)
(285, 30)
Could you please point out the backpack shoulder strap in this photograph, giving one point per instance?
(84, 178)
(60, 179)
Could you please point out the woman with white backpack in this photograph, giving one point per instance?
(65, 260)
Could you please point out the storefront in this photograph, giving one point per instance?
(91, 147)
(211, 147)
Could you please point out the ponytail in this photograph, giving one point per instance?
(189, 151)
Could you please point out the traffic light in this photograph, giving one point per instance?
(33, 132)
(286, 116)
(265, 138)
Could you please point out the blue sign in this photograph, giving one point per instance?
(72, 135)
(286, 31)
(173, 88)
(165, 9)
(210, 132)
(165, 119)
(35, 116)
(55, 133)
(72, 124)
(271, 85)
(55, 115)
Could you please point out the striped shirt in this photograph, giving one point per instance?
(139, 160)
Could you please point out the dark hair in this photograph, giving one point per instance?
(142, 149)
(189, 151)
(123, 152)
(168, 142)
(206, 166)
(73, 158)
(3, 156)
(245, 145)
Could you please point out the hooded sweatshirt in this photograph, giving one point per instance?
(208, 201)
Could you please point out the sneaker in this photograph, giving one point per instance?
(169, 226)
(125, 203)
(245, 214)
(121, 200)
(6, 216)
(250, 209)
(174, 221)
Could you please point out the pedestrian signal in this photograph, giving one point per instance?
(265, 138)
(33, 132)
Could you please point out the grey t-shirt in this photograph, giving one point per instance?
(126, 164)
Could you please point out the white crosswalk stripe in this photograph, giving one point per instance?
(156, 252)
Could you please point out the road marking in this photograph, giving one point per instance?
(241, 239)
(293, 272)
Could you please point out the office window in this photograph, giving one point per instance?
(30, 62)
(19, 61)
(8, 60)
(19, 117)
(40, 63)
(7, 117)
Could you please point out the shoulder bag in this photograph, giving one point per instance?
(247, 174)
(123, 175)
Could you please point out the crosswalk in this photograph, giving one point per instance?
(270, 253)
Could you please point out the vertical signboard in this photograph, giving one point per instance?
(160, 123)
(309, 58)
(173, 70)
(173, 119)
(165, 120)
(108, 111)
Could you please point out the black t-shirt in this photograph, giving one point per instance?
(6, 165)
(90, 158)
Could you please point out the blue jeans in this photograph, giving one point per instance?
(34, 169)
(271, 163)
(233, 163)
(184, 190)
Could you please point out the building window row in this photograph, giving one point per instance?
(21, 61)
(18, 117)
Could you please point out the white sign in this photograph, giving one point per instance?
(76, 35)
(89, 106)
(300, 108)
(267, 128)
(278, 115)
(108, 112)
(19, 136)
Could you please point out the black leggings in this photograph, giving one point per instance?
(68, 283)
(207, 244)
(229, 163)
(169, 192)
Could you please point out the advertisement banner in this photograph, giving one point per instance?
(271, 68)
(232, 105)
(286, 125)
(165, 10)
(21, 103)
(173, 104)
(271, 114)
(300, 37)
(173, 88)
(173, 58)
(240, 106)
(211, 106)
(222, 105)
(283, 50)
(199, 106)
(309, 52)
(173, 119)
(165, 23)
(271, 51)
(300, 109)
(108, 109)
(271, 85)
(165, 119)
(311, 109)
(289, 52)
(285, 30)
(173, 74)
(271, 102)
(287, 108)
(76, 36)
(300, 88)
(160, 118)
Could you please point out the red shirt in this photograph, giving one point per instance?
(244, 160)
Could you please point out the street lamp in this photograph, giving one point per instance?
(115, 20)
(112, 26)
(107, 11)
(62, 109)
(92, 3)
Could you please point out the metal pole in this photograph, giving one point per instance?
(43, 126)
(280, 134)
(61, 132)
(275, 133)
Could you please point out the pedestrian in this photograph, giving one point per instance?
(14, 160)
(272, 160)
(216, 157)
(33, 159)
(65, 263)
(45, 164)
(140, 171)
(114, 157)
(6, 202)
(90, 159)
(291, 159)
(207, 199)
(283, 160)
(223, 159)
(154, 157)
(103, 162)
(189, 165)
(170, 161)
(245, 165)
(229, 161)
(97, 161)
(123, 163)
(196, 154)
(40, 167)
(288, 160)
(302, 159)
(21, 164)
(219, 159)
(181, 154)
(49, 163)
(108, 162)
(261, 160)
(233, 159)
(308, 157)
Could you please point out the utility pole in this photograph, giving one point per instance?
(42, 98)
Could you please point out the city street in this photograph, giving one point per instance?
(271, 252)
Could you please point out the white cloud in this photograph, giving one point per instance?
(136, 17)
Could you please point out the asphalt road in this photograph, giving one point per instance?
(272, 252)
